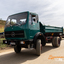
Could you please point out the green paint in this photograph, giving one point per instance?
(50, 29)
(31, 29)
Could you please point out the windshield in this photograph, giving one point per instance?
(17, 19)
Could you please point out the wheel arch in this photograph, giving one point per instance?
(39, 35)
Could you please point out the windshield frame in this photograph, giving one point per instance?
(21, 15)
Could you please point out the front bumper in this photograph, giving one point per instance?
(17, 42)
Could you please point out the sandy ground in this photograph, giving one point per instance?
(27, 56)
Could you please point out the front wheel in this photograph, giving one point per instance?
(17, 49)
(44, 43)
(38, 47)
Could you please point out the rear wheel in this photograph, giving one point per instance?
(56, 41)
(17, 49)
(38, 47)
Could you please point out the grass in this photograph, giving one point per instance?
(2, 25)
(1, 43)
(1, 29)
(2, 22)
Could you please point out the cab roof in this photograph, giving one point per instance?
(24, 12)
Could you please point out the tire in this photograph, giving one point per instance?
(17, 49)
(44, 43)
(60, 37)
(56, 42)
(38, 47)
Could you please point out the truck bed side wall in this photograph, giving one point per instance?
(50, 29)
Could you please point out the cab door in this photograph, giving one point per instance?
(33, 25)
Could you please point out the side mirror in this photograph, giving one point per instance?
(33, 19)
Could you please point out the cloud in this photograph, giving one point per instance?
(51, 12)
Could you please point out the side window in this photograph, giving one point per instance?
(34, 18)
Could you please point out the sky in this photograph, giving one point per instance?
(50, 12)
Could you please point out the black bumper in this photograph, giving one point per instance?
(17, 42)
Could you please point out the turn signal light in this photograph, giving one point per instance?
(22, 42)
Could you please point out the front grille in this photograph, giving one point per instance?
(14, 34)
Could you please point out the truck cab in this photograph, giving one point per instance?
(21, 26)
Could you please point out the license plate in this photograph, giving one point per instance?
(12, 43)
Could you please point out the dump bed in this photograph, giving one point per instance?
(50, 29)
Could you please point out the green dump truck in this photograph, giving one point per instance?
(23, 30)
